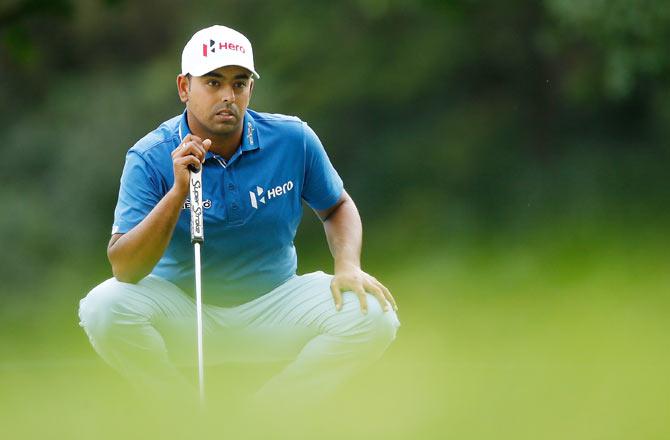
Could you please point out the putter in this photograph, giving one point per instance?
(197, 238)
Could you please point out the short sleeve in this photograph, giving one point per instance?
(138, 194)
(322, 185)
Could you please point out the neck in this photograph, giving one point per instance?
(225, 145)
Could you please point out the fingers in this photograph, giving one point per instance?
(193, 145)
(192, 148)
(379, 295)
(362, 298)
(185, 161)
(337, 296)
(359, 285)
(336, 290)
(188, 156)
(388, 296)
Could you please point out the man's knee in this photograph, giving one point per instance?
(375, 329)
(383, 324)
(104, 307)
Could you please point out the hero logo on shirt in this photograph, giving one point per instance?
(213, 46)
(261, 196)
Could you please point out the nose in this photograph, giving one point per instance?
(227, 93)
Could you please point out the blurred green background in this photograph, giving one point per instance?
(509, 160)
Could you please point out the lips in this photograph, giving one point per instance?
(225, 115)
(225, 112)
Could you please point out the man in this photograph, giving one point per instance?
(256, 170)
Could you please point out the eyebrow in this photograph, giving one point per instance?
(218, 75)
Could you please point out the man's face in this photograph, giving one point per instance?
(217, 100)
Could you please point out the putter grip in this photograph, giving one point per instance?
(195, 197)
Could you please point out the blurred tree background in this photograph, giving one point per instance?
(455, 124)
(470, 118)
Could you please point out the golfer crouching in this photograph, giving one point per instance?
(256, 170)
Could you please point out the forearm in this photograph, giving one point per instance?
(344, 232)
(134, 254)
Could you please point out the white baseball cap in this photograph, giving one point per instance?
(214, 47)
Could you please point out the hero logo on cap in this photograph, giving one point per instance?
(222, 46)
(214, 47)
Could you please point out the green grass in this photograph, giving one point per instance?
(542, 340)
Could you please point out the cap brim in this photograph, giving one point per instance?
(206, 69)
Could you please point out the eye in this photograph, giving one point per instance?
(240, 84)
(213, 83)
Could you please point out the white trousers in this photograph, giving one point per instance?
(146, 330)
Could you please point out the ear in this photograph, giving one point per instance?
(182, 88)
(251, 86)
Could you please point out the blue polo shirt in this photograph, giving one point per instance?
(253, 204)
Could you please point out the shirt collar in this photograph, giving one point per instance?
(183, 128)
(250, 137)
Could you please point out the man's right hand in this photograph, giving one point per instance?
(191, 151)
(134, 254)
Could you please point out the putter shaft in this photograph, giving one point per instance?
(198, 311)
(197, 238)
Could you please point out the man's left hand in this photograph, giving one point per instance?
(359, 282)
